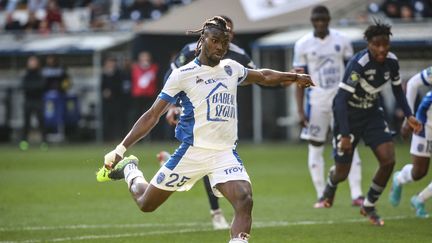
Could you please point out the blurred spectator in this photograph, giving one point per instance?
(33, 86)
(99, 13)
(12, 24)
(406, 12)
(56, 75)
(113, 100)
(53, 19)
(145, 82)
(391, 8)
(36, 5)
(159, 8)
(33, 23)
(140, 10)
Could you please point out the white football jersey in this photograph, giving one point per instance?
(208, 96)
(422, 79)
(324, 60)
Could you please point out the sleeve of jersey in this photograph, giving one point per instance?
(351, 77)
(299, 59)
(171, 89)
(401, 99)
(242, 72)
(413, 86)
(424, 106)
(394, 75)
(348, 50)
(341, 110)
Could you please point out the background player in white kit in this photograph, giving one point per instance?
(421, 144)
(323, 55)
(207, 89)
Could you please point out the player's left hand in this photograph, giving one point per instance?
(415, 124)
(113, 157)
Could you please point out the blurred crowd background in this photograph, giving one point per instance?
(52, 91)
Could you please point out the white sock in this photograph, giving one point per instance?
(354, 177)
(237, 240)
(426, 193)
(405, 175)
(366, 203)
(131, 172)
(316, 168)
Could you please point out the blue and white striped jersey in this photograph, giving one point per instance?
(208, 96)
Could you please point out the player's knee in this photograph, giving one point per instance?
(245, 201)
(419, 174)
(388, 164)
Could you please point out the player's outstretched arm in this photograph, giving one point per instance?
(140, 129)
(269, 77)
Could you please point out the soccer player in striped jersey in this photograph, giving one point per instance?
(186, 55)
(207, 130)
(358, 115)
(323, 54)
(421, 144)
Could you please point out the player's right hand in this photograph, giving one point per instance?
(113, 157)
(406, 130)
(303, 122)
(345, 145)
(172, 115)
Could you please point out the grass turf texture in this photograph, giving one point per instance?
(48, 196)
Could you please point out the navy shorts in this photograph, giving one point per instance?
(368, 125)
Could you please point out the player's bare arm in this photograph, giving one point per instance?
(268, 77)
(140, 129)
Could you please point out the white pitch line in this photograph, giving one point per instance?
(266, 224)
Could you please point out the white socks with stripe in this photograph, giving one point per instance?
(131, 172)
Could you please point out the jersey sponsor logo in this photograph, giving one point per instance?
(188, 69)
(234, 169)
(198, 80)
(160, 178)
(354, 78)
(221, 105)
(228, 69)
(370, 73)
(329, 73)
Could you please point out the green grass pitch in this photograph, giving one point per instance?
(52, 196)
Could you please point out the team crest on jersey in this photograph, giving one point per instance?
(337, 47)
(160, 178)
(386, 76)
(420, 148)
(228, 70)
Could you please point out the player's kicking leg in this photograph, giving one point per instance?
(147, 197)
(218, 219)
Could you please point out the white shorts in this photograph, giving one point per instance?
(188, 164)
(319, 124)
(420, 146)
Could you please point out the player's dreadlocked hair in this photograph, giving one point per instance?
(377, 29)
(217, 22)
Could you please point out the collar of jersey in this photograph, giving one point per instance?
(198, 62)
